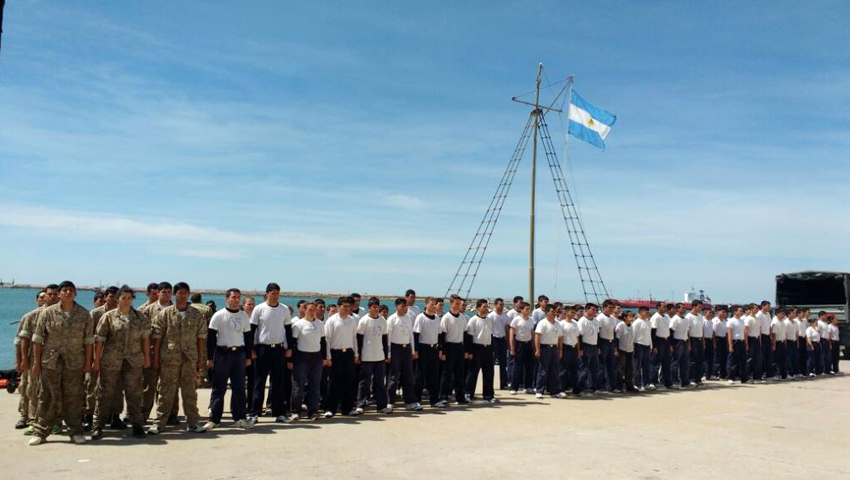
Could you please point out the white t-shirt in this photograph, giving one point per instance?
(680, 327)
(500, 321)
(626, 336)
(230, 327)
(481, 329)
(607, 324)
(642, 331)
(373, 331)
(790, 330)
(341, 333)
(764, 320)
(309, 334)
(428, 328)
(719, 327)
(813, 334)
(736, 326)
(453, 326)
(271, 323)
(537, 315)
(777, 327)
(695, 322)
(549, 332)
(753, 328)
(661, 324)
(588, 328)
(400, 330)
(570, 329)
(833, 334)
(523, 328)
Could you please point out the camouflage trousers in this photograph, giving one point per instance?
(150, 378)
(28, 404)
(172, 378)
(91, 391)
(61, 397)
(117, 383)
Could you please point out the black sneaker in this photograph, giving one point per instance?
(96, 434)
(138, 431)
(20, 425)
(117, 424)
(87, 421)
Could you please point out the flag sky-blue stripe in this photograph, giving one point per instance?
(598, 114)
(588, 135)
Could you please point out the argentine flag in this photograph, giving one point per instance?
(589, 123)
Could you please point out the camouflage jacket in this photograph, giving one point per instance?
(179, 333)
(64, 335)
(121, 336)
(97, 313)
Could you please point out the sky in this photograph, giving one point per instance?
(355, 146)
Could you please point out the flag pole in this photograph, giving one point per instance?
(536, 114)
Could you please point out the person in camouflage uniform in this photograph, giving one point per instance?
(110, 297)
(150, 375)
(179, 333)
(27, 413)
(63, 341)
(122, 349)
(27, 328)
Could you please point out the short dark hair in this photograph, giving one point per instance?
(164, 286)
(440, 300)
(549, 308)
(571, 308)
(659, 305)
(540, 298)
(455, 297)
(518, 298)
(300, 302)
(607, 303)
(409, 292)
(355, 296)
(590, 305)
(319, 301)
(39, 293)
(643, 309)
(498, 300)
(764, 303)
(272, 287)
(152, 286)
(821, 313)
(481, 301)
(696, 303)
(722, 308)
(400, 301)
(345, 299)
(67, 284)
(181, 286)
(384, 308)
(111, 290)
(375, 301)
(126, 289)
(231, 291)
(98, 295)
(196, 298)
(52, 286)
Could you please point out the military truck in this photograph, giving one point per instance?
(819, 291)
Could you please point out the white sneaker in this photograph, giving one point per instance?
(731, 382)
(692, 384)
(359, 410)
(561, 395)
(329, 414)
(414, 407)
(154, 430)
(651, 387)
(245, 424)
(513, 392)
(538, 395)
(441, 404)
(207, 426)
(294, 417)
(388, 409)
(493, 400)
(79, 439)
(36, 440)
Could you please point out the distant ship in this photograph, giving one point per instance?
(689, 297)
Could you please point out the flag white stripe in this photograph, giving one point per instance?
(581, 116)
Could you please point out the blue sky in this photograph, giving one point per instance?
(338, 147)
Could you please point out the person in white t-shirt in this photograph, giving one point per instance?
(501, 325)
(520, 344)
(777, 339)
(643, 350)
(791, 334)
(835, 339)
(721, 346)
(572, 351)
(737, 341)
(373, 345)
(625, 353)
(813, 347)
(548, 348)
